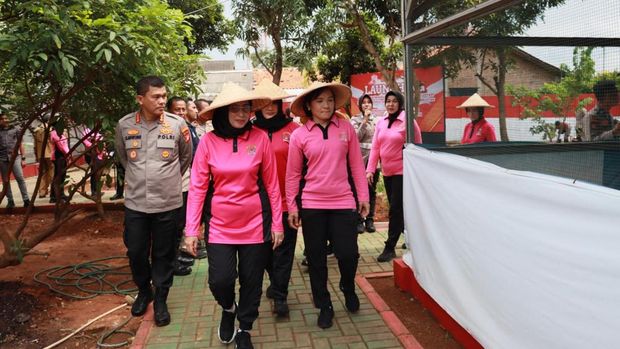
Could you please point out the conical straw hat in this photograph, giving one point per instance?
(232, 93)
(475, 101)
(267, 88)
(342, 95)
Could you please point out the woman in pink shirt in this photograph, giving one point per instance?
(278, 127)
(479, 130)
(387, 147)
(234, 187)
(325, 190)
(60, 155)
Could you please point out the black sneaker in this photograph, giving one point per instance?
(244, 340)
(326, 317)
(26, 203)
(370, 225)
(280, 307)
(387, 255)
(227, 332)
(10, 204)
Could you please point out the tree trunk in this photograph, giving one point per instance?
(501, 93)
(390, 78)
(278, 64)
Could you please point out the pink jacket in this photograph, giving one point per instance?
(481, 131)
(326, 182)
(387, 145)
(60, 143)
(235, 213)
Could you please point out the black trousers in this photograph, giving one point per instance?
(60, 172)
(339, 227)
(181, 219)
(396, 226)
(372, 191)
(151, 235)
(280, 263)
(120, 179)
(226, 262)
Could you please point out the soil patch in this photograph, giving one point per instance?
(413, 315)
(31, 315)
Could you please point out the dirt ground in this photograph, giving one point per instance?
(413, 315)
(32, 316)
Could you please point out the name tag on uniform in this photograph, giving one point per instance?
(165, 143)
(133, 144)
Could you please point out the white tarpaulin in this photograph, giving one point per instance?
(519, 259)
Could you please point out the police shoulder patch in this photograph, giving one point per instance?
(186, 135)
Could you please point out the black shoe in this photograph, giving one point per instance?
(116, 196)
(280, 307)
(26, 203)
(226, 332)
(269, 292)
(201, 252)
(304, 262)
(326, 317)
(387, 255)
(351, 301)
(162, 316)
(404, 246)
(180, 269)
(10, 204)
(370, 225)
(244, 340)
(185, 259)
(330, 249)
(142, 302)
(360, 227)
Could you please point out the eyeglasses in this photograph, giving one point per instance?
(235, 108)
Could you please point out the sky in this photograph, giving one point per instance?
(576, 18)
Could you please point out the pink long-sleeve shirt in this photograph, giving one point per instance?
(59, 142)
(88, 141)
(387, 145)
(227, 181)
(279, 143)
(326, 182)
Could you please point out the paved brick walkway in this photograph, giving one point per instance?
(196, 315)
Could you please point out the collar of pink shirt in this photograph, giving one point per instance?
(310, 123)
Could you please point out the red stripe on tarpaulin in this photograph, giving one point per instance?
(452, 112)
(405, 280)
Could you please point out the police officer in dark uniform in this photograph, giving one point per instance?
(155, 148)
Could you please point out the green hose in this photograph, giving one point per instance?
(89, 280)
(87, 274)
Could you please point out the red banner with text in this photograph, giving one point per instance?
(431, 112)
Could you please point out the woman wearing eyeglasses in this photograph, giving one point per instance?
(234, 187)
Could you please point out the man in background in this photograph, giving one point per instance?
(8, 141)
